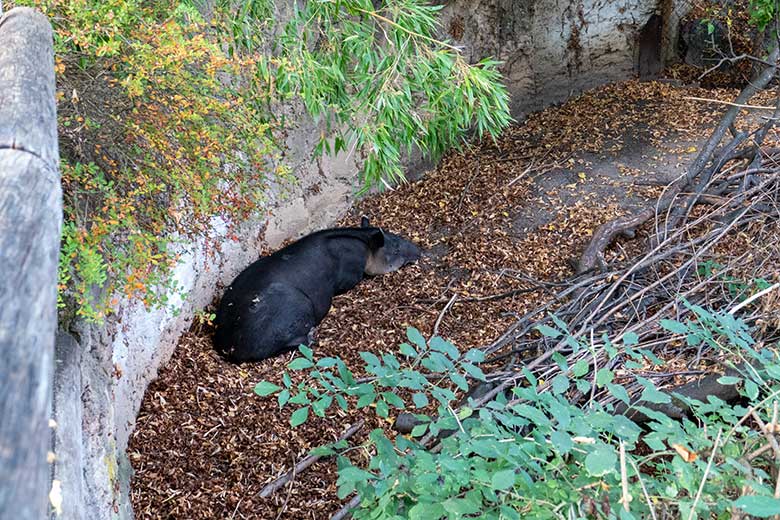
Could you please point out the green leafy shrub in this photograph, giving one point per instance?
(762, 12)
(375, 76)
(531, 453)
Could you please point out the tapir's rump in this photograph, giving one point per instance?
(274, 304)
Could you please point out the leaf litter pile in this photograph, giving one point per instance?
(593, 210)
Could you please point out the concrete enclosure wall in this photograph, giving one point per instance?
(551, 48)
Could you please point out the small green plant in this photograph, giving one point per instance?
(531, 453)
(762, 12)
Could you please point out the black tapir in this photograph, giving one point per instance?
(274, 304)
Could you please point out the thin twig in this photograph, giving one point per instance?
(277, 484)
(644, 490)
(443, 312)
(754, 298)
(287, 498)
(704, 477)
(346, 511)
(625, 500)
(720, 101)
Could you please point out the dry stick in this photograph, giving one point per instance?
(644, 490)
(727, 153)
(346, 511)
(754, 298)
(277, 484)
(760, 451)
(626, 498)
(770, 436)
(706, 473)
(287, 498)
(721, 102)
(443, 312)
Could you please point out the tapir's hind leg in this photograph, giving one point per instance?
(292, 319)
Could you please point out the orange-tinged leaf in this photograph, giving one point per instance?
(686, 454)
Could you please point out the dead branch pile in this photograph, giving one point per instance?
(715, 224)
(733, 218)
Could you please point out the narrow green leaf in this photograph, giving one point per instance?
(283, 397)
(548, 331)
(415, 337)
(382, 409)
(630, 338)
(760, 506)
(580, 368)
(560, 384)
(306, 351)
(674, 327)
(300, 364)
(619, 392)
(420, 400)
(370, 359)
(408, 350)
(604, 376)
(474, 371)
(601, 461)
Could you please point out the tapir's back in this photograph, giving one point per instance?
(277, 300)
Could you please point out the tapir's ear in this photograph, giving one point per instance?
(364, 221)
(376, 240)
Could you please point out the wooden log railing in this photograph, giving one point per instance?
(30, 224)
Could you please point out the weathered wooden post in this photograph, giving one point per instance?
(30, 223)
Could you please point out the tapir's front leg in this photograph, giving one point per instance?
(310, 340)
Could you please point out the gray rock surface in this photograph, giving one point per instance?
(552, 49)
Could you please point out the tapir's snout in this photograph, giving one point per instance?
(393, 255)
(410, 251)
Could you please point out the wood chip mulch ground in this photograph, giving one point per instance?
(492, 218)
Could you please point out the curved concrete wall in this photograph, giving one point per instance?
(551, 48)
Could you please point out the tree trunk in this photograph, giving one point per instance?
(30, 223)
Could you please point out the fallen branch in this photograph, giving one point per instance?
(721, 102)
(346, 511)
(279, 483)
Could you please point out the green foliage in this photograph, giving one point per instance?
(533, 454)
(762, 12)
(375, 77)
(163, 144)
